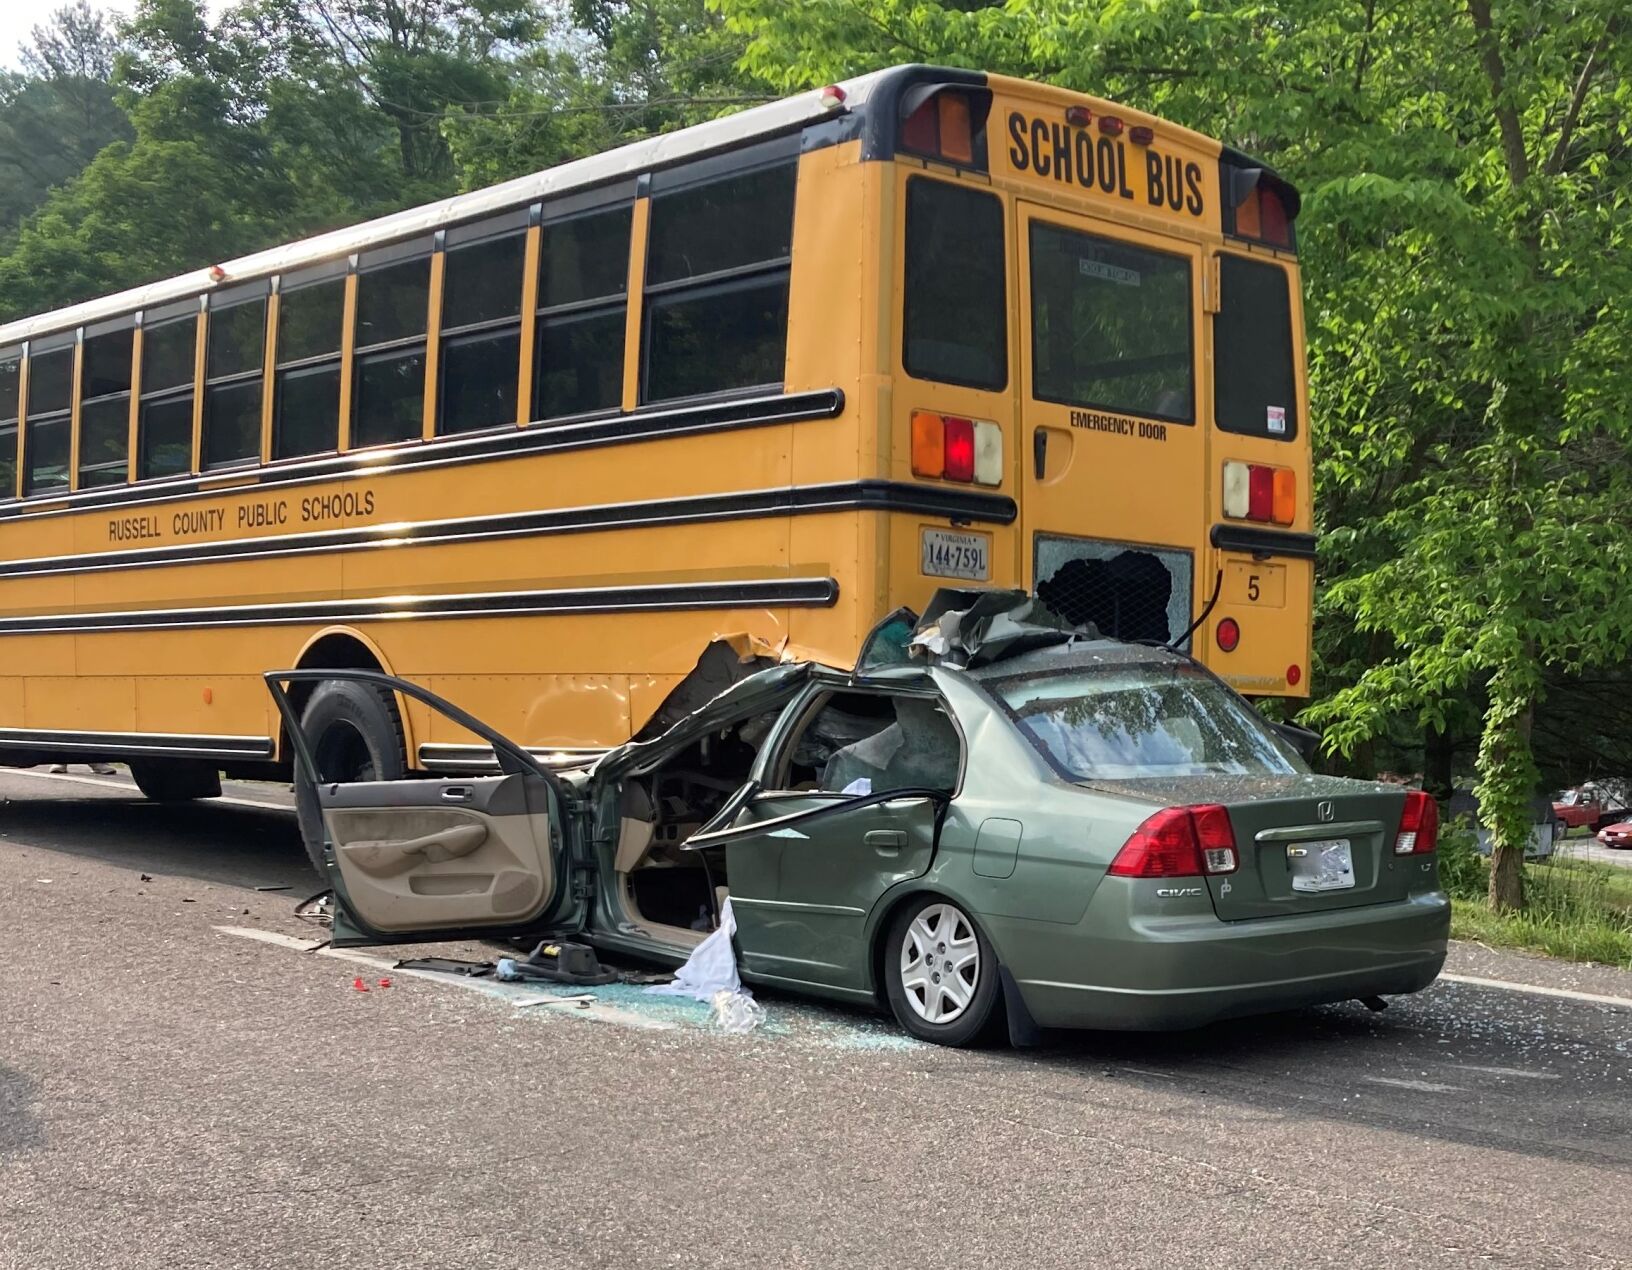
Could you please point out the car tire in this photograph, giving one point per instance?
(175, 780)
(354, 733)
(930, 926)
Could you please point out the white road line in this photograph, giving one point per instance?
(120, 783)
(1623, 1003)
(1505, 1071)
(521, 994)
(1421, 1086)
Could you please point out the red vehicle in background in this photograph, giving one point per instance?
(1589, 807)
(1617, 835)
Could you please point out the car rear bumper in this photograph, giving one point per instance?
(1121, 970)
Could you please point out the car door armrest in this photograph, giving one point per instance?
(388, 859)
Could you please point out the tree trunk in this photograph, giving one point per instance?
(1507, 783)
(1438, 753)
(1507, 877)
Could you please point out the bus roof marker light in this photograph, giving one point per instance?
(1110, 125)
(217, 274)
(1078, 116)
(1141, 134)
(832, 97)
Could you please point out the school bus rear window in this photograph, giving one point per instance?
(956, 307)
(1253, 378)
(1111, 325)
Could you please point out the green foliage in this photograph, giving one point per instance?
(57, 115)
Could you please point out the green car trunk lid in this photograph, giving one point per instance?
(1278, 821)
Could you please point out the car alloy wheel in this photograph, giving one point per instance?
(940, 963)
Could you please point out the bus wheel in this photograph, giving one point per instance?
(175, 780)
(355, 734)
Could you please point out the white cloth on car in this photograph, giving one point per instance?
(712, 966)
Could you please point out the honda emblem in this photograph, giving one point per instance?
(1326, 812)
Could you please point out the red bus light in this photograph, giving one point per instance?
(1228, 634)
(1260, 493)
(960, 449)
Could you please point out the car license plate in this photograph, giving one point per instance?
(953, 555)
(1327, 865)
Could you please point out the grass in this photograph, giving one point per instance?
(1576, 909)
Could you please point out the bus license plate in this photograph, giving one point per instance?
(953, 555)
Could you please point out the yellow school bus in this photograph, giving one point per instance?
(764, 379)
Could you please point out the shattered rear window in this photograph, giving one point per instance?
(1133, 722)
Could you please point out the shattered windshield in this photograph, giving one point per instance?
(1130, 722)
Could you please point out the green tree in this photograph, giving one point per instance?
(1465, 238)
(59, 112)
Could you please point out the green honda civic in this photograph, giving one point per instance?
(992, 822)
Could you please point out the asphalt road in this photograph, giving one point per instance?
(175, 1096)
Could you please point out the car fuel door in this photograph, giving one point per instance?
(440, 857)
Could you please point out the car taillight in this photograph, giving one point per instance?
(951, 448)
(1419, 825)
(1256, 491)
(1179, 842)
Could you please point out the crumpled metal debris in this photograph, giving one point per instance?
(970, 628)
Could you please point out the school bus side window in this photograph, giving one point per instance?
(50, 396)
(388, 385)
(232, 393)
(104, 406)
(583, 283)
(11, 374)
(306, 383)
(955, 308)
(717, 282)
(164, 430)
(1254, 380)
(481, 327)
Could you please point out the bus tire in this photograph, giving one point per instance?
(355, 734)
(175, 780)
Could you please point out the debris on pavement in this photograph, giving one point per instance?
(447, 966)
(737, 1011)
(556, 962)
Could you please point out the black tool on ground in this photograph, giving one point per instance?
(448, 966)
(556, 962)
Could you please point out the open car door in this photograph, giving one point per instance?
(442, 857)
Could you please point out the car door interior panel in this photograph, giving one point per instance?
(422, 854)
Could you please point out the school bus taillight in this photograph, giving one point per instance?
(1256, 491)
(952, 448)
